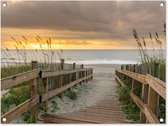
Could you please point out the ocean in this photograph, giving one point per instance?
(77, 56)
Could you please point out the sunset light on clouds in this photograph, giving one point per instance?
(81, 25)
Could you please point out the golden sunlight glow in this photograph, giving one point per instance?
(62, 40)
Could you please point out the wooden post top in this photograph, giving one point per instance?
(74, 65)
(62, 63)
(34, 64)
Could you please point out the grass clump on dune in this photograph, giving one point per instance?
(72, 95)
(27, 117)
(54, 106)
(129, 108)
(14, 97)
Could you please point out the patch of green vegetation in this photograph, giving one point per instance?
(14, 97)
(123, 95)
(54, 106)
(131, 111)
(27, 117)
(12, 70)
(72, 95)
(129, 108)
(162, 109)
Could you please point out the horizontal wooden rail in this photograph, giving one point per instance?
(158, 85)
(119, 81)
(144, 105)
(56, 91)
(18, 79)
(51, 73)
(144, 108)
(135, 76)
(20, 109)
(32, 76)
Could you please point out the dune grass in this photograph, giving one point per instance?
(131, 111)
(71, 94)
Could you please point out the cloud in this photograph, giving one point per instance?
(86, 20)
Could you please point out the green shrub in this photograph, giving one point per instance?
(131, 111)
(129, 108)
(12, 70)
(72, 95)
(14, 96)
(54, 106)
(123, 95)
(27, 117)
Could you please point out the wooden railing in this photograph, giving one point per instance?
(76, 76)
(151, 88)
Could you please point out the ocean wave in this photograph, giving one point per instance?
(102, 62)
(96, 61)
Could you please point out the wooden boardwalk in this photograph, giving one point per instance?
(107, 111)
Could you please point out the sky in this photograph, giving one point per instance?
(81, 25)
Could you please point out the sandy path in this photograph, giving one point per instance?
(89, 94)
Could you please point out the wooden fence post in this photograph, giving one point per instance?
(34, 92)
(122, 67)
(83, 73)
(62, 68)
(80, 73)
(132, 88)
(45, 82)
(144, 94)
(92, 73)
(74, 66)
(157, 74)
(86, 76)
(82, 66)
(62, 64)
(127, 68)
(74, 74)
(152, 95)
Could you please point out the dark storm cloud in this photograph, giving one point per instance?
(110, 20)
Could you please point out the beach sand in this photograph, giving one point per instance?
(90, 93)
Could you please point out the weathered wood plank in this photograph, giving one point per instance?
(144, 108)
(119, 81)
(46, 86)
(54, 118)
(103, 118)
(51, 73)
(20, 109)
(105, 114)
(150, 116)
(158, 85)
(145, 100)
(136, 76)
(152, 100)
(33, 90)
(18, 79)
(97, 114)
(61, 89)
(33, 94)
